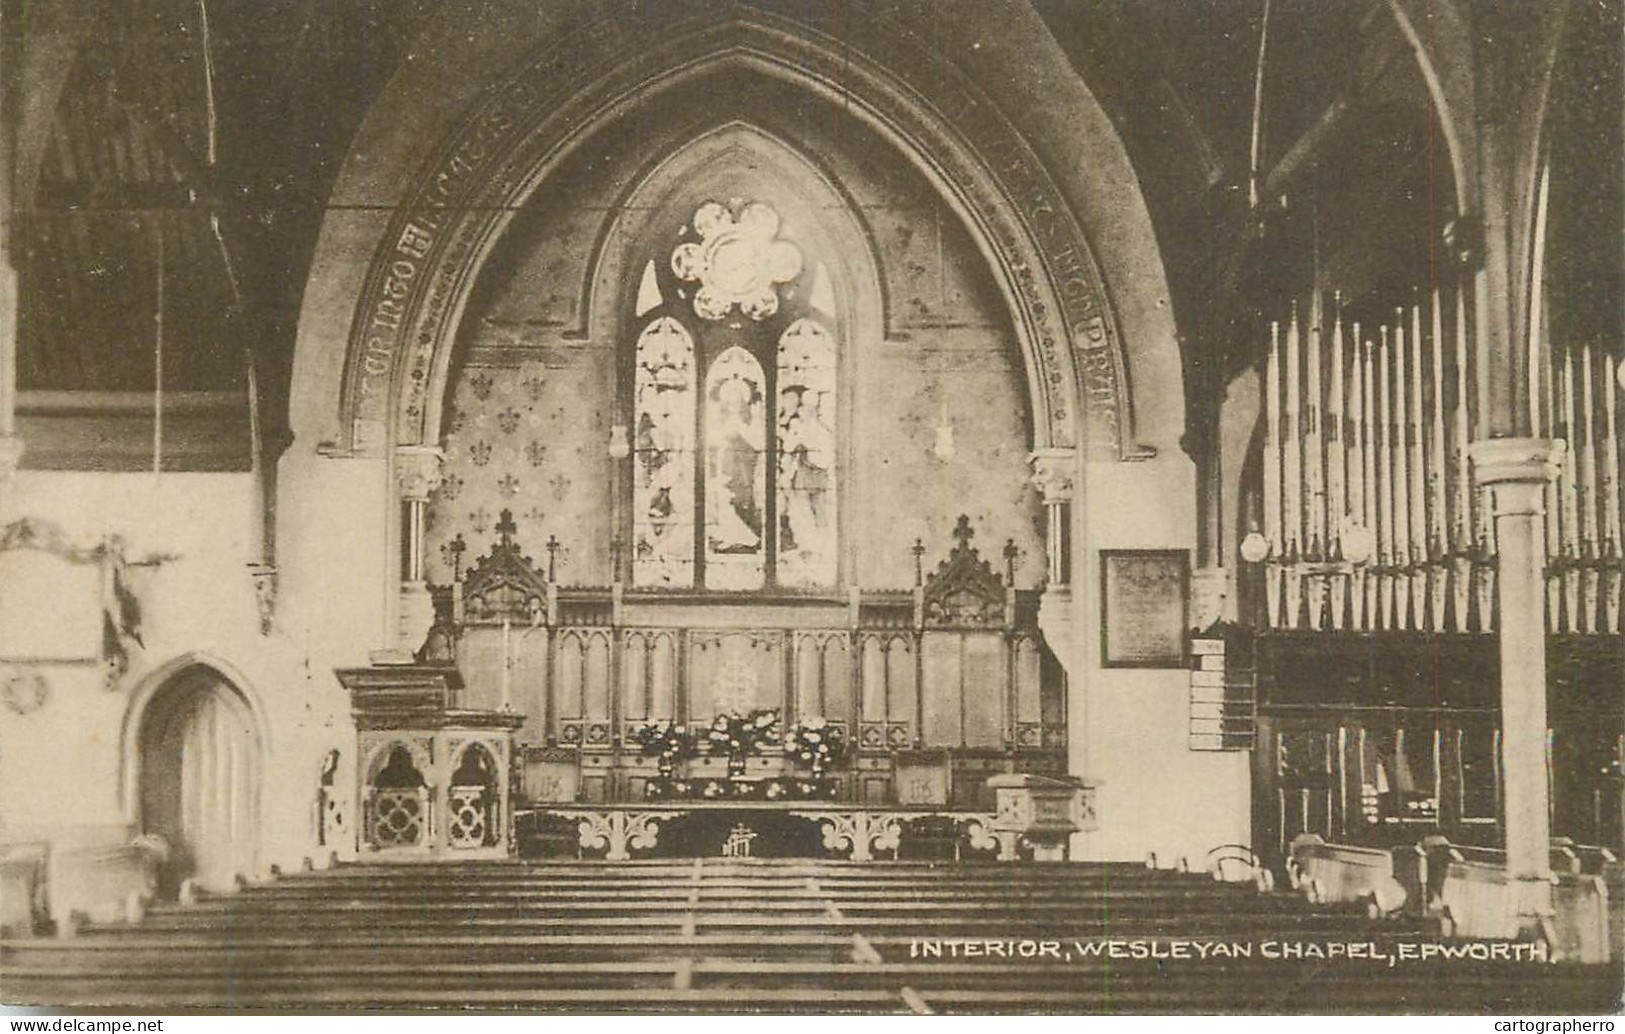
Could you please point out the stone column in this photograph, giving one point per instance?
(1517, 471)
(417, 473)
(11, 443)
(1053, 471)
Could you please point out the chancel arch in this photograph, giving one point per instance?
(400, 343)
(723, 395)
(501, 275)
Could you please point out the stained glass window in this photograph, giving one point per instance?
(735, 400)
(735, 476)
(663, 457)
(806, 455)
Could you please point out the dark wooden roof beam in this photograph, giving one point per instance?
(79, 195)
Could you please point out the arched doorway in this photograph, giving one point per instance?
(199, 770)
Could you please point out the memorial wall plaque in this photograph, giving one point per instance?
(1143, 601)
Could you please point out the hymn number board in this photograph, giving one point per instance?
(1143, 601)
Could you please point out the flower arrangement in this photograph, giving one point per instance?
(817, 743)
(778, 788)
(739, 736)
(669, 742)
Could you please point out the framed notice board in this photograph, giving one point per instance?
(1144, 596)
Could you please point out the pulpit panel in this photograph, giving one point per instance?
(837, 676)
(902, 687)
(984, 688)
(1029, 670)
(529, 682)
(823, 675)
(873, 707)
(595, 676)
(736, 672)
(648, 674)
(944, 675)
(635, 677)
(480, 658)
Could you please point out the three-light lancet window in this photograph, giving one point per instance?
(734, 392)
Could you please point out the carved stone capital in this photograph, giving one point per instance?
(1535, 460)
(1053, 473)
(1517, 470)
(418, 470)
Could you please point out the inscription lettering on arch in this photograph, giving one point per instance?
(402, 331)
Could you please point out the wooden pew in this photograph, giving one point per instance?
(1332, 873)
(22, 888)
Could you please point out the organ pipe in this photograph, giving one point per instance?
(1417, 531)
(1368, 489)
(1612, 486)
(1438, 550)
(1292, 472)
(1461, 521)
(1371, 516)
(1338, 456)
(1272, 475)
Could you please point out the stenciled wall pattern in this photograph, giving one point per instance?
(528, 438)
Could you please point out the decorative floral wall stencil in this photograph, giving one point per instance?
(457, 419)
(451, 552)
(533, 444)
(479, 520)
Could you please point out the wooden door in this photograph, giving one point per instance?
(199, 770)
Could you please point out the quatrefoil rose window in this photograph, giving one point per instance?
(737, 260)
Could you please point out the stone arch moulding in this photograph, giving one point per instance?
(405, 322)
(153, 685)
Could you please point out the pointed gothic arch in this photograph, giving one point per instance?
(978, 163)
